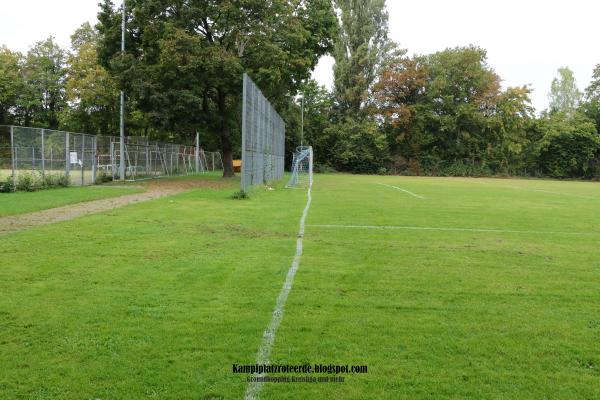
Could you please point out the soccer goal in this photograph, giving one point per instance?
(302, 168)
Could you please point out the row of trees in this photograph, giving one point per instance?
(443, 113)
(54, 88)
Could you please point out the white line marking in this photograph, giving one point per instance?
(431, 228)
(262, 357)
(403, 190)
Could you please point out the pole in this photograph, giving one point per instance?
(302, 123)
(244, 127)
(12, 152)
(43, 156)
(122, 122)
(82, 160)
(197, 152)
(94, 158)
(67, 155)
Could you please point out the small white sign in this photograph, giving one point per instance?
(73, 157)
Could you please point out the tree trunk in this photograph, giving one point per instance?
(225, 137)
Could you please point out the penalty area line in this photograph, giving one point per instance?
(443, 229)
(262, 357)
(403, 190)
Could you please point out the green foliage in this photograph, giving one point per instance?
(361, 48)
(7, 186)
(103, 177)
(591, 106)
(360, 146)
(33, 181)
(240, 195)
(56, 180)
(183, 69)
(90, 90)
(12, 84)
(445, 113)
(569, 146)
(45, 74)
(564, 95)
(27, 182)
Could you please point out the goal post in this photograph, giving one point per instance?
(302, 168)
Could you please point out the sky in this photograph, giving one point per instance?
(527, 40)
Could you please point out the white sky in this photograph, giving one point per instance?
(527, 40)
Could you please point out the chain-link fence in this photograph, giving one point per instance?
(86, 159)
(263, 138)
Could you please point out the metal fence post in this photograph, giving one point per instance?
(43, 155)
(112, 158)
(94, 158)
(13, 157)
(67, 155)
(82, 160)
(197, 152)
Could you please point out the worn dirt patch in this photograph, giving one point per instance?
(154, 189)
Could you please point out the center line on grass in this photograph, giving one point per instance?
(431, 228)
(262, 357)
(403, 190)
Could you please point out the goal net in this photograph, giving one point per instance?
(302, 168)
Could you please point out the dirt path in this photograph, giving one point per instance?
(154, 190)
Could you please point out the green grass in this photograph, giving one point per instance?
(157, 300)
(24, 202)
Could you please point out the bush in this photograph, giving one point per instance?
(240, 195)
(28, 182)
(323, 169)
(569, 146)
(50, 181)
(7, 186)
(361, 147)
(103, 177)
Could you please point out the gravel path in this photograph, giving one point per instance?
(154, 190)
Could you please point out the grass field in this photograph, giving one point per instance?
(24, 202)
(444, 288)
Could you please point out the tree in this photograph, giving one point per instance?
(360, 146)
(446, 114)
(12, 84)
(317, 110)
(569, 146)
(361, 48)
(591, 106)
(564, 95)
(90, 91)
(45, 74)
(185, 60)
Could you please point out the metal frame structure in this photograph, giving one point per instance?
(84, 158)
(263, 138)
